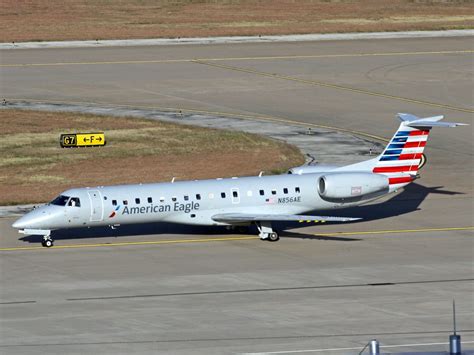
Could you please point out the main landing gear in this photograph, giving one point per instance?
(266, 232)
(47, 242)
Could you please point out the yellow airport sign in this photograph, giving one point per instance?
(74, 140)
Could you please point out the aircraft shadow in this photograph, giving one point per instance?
(292, 234)
(409, 200)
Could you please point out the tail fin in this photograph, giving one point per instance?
(402, 157)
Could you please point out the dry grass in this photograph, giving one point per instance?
(40, 20)
(33, 168)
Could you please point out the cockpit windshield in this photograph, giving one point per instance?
(61, 200)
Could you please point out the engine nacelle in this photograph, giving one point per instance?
(311, 169)
(350, 186)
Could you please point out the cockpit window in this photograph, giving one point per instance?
(74, 202)
(61, 200)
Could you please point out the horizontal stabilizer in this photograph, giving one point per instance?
(408, 117)
(242, 217)
(422, 123)
(428, 122)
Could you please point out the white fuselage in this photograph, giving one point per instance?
(187, 202)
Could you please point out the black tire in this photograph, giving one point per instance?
(273, 237)
(48, 243)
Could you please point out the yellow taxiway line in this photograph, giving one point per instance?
(282, 57)
(333, 86)
(213, 63)
(120, 244)
(226, 239)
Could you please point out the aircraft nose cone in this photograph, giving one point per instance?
(33, 219)
(44, 217)
(21, 223)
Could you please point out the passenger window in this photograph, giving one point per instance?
(262, 192)
(186, 198)
(162, 199)
(114, 202)
(198, 196)
(297, 190)
(137, 201)
(223, 194)
(274, 192)
(173, 198)
(235, 194)
(125, 202)
(285, 190)
(150, 200)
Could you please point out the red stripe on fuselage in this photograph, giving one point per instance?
(414, 144)
(399, 180)
(395, 169)
(419, 133)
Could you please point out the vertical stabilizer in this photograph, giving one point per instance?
(402, 157)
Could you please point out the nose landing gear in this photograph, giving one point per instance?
(47, 242)
(46, 233)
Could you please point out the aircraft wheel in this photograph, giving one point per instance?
(47, 243)
(273, 237)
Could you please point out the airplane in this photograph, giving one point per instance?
(235, 202)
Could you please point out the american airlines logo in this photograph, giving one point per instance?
(114, 212)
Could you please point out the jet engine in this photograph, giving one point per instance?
(351, 186)
(311, 169)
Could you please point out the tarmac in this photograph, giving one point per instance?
(321, 289)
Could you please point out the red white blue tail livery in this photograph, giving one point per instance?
(402, 157)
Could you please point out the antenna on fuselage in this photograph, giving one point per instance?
(172, 180)
(261, 173)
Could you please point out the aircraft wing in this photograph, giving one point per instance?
(242, 217)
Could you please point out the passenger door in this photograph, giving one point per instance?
(97, 205)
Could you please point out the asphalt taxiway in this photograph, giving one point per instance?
(175, 289)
